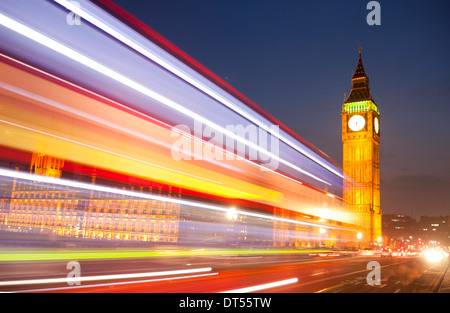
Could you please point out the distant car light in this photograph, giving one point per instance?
(433, 255)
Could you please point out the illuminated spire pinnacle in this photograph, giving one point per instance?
(360, 72)
(360, 83)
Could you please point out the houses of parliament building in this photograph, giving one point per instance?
(91, 214)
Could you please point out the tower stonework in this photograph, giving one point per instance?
(361, 159)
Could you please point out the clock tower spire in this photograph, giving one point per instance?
(361, 158)
(360, 84)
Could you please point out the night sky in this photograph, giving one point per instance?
(295, 60)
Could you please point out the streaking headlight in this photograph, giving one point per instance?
(433, 255)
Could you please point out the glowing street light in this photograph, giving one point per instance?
(231, 214)
(359, 236)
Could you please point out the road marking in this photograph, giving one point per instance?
(315, 274)
(343, 275)
(264, 286)
(332, 287)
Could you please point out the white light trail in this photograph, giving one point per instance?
(145, 116)
(102, 277)
(118, 283)
(264, 286)
(145, 52)
(80, 58)
(75, 184)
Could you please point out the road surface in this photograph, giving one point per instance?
(297, 273)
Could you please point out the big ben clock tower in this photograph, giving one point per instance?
(361, 160)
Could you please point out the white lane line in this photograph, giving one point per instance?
(315, 274)
(264, 286)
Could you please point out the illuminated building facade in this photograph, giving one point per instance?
(40, 207)
(399, 230)
(434, 230)
(361, 158)
(332, 234)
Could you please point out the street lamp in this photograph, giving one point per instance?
(359, 236)
(231, 214)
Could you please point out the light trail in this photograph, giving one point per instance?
(264, 286)
(117, 283)
(56, 255)
(80, 58)
(106, 151)
(192, 81)
(78, 87)
(103, 277)
(74, 184)
(75, 112)
(145, 116)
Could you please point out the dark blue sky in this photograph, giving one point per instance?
(295, 59)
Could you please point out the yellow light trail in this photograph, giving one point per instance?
(113, 140)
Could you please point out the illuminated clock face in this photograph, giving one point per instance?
(356, 122)
(376, 125)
